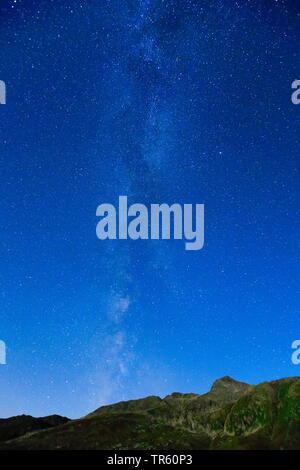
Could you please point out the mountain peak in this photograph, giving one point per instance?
(227, 388)
(226, 380)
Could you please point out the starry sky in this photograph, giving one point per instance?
(183, 101)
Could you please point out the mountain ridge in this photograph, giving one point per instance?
(232, 415)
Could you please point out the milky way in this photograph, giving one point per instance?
(169, 101)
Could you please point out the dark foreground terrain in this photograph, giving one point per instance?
(233, 415)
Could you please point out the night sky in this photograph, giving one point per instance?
(164, 101)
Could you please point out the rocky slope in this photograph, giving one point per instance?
(233, 415)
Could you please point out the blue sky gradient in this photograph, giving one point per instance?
(162, 101)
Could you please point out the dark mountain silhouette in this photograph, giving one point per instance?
(17, 426)
(232, 415)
